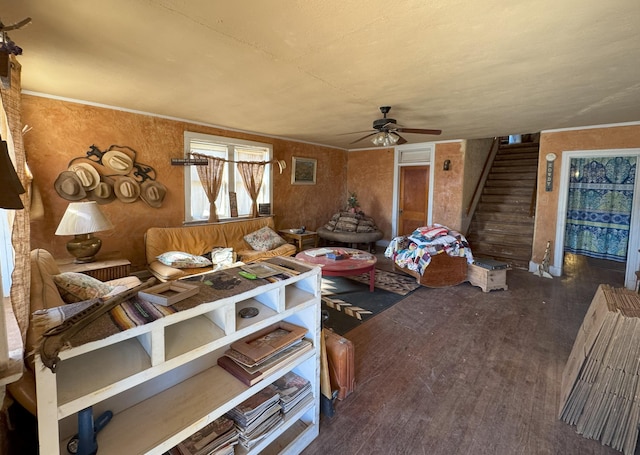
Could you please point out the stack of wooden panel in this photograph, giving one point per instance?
(600, 392)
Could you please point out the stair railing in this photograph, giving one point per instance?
(475, 199)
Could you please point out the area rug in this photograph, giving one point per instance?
(349, 303)
(389, 281)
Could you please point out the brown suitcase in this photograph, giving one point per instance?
(340, 356)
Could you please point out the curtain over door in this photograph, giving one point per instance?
(599, 206)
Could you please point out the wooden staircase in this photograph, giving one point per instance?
(502, 225)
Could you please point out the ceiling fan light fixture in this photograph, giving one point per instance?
(385, 139)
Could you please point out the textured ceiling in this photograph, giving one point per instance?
(314, 70)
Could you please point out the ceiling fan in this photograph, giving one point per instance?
(386, 130)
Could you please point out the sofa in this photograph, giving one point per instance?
(352, 228)
(201, 239)
(44, 295)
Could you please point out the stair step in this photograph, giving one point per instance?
(483, 248)
(516, 156)
(520, 146)
(523, 229)
(486, 207)
(504, 217)
(512, 175)
(533, 162)
(520, 169)
(512, 190)
(505, 198)
(513, 240)
(523, 183)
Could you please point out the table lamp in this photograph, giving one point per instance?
(81, 220)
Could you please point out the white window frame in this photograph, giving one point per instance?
(233, 177)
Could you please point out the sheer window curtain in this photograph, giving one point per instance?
(211, 178)
(599, 207)
(252, 174)
(11, 130)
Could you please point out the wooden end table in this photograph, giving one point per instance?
(356, 263)
(299, 239)
(103, 270)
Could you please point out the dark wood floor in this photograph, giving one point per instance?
(459, 371)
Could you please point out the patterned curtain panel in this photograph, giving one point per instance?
(599, 207)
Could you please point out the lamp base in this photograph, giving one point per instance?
(84, 248)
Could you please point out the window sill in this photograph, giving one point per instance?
(224, 220)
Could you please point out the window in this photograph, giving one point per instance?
(196, 202)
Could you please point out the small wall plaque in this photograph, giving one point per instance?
(189, 162)
(551, 157)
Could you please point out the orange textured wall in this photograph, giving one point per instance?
(370, 176)
(565, 141)
(447, 185)
(65, 130)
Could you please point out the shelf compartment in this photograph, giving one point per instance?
(292, 440)
(295, 296)
(310, 284)
(264, 312)
(97, 373)
(169, 415)
(271, 298)
(190, 335)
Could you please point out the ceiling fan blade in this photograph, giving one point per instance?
(364, 137)
(401, 140)
(355, 132)
(17, 25)
(418, 131)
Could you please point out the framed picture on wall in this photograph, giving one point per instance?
(303, 171)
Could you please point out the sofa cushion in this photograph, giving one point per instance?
(264, 239)
(76, 287)
(183, 260)
(248, 256)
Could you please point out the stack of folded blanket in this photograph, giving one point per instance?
(415, 251)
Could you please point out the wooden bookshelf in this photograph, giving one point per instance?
(162, 382)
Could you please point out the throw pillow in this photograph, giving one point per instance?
(182, 260)
(264, 239)
(77, 287)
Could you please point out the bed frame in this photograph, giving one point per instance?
(443, 271)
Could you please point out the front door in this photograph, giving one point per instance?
(414, 198)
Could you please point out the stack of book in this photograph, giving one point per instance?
(256, 417)
(295, 393)
(217, 438)
(251, 359)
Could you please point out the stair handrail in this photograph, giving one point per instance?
(475, 198)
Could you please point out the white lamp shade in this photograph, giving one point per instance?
(83, 218)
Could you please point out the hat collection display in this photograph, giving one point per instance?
(108, 176)
(69, 186)
(153, 193)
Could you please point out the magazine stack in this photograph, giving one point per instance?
(295, 392)
(257, 417)
(217, 438)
